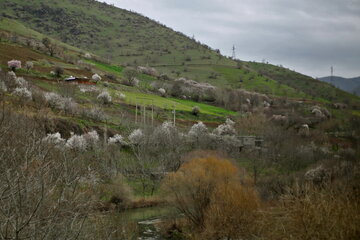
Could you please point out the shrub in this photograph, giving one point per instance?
(198, 130)
(14, 64)
(21, 82)
(29, 65)
(162, 92)
(24, 93)
(204, 185)
(96, 78)
(136, 137)
(310, 212)
(91, 138)
(104, 97)
(76, 142)
(54, 138)
(226, 128)
(195, 110)
(117, 139)
(59, 71)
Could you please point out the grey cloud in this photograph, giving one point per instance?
(308, 35)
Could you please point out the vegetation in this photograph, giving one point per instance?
(236, 150)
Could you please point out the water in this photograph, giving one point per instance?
(147, 220)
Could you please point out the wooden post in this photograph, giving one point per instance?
(136, 110)
(152, 114)
(144, 114)
(174, 114)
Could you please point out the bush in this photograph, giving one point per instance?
(195, 110)
(117, 139)
(310, 212)
(207, 191)
(162, 92)
(59, 71)
(77, 143)
(29, 65)
(96, 78)
(104, 98)
(136, 137)
(24, 93)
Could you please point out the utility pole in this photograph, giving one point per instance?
(332, 75)
(233, 52)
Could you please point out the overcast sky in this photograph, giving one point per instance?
(306, 35)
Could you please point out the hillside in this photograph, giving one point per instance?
(351, 85)
(130, 39)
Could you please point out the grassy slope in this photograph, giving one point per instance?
(44, 64)
(129, 38)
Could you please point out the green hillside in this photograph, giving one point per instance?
(129, 39)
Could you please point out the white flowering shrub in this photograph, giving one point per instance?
(91, 138)
(58, 102)
(96, 78)
(226, 128)
(104, 97)
(76, 142)
(14, 64)
(54, 100)
(21, 82)
(117, 139)
(162, 92)
(24, 93)
(198, 130)
(136, 137)
(54, 138)
(11, 75)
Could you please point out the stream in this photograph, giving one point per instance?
(147, 218)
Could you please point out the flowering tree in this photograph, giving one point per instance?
(23, 93)
(162, 92)
(96, 78)
(104, 97)
(54, 138)
(117, 139)
(226, 128)
(76, 142)
(14, 64)
(91, 138)
(29, 65)
(136, 137)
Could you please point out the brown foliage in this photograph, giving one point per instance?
(313, 213)
(209, 192)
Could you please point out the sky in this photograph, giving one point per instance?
(308, 36)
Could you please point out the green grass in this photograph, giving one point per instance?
(113, 69)
(170, 103)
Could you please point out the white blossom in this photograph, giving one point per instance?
(136, 136)
(96, 77)
(23, 93)
(91, 138)
(54, 138)
(104, 97)
(21, 82)
(226, 128)
(117, 139)
(162, 91)
(76, 142)
(197, 130)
